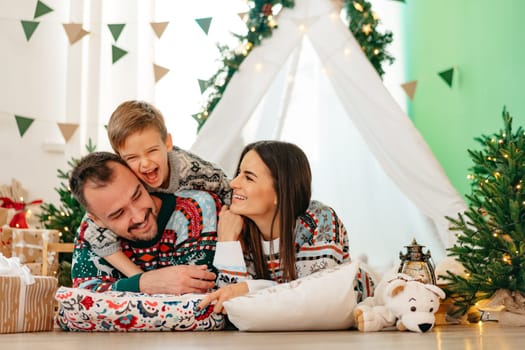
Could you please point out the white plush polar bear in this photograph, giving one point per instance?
(400, 301)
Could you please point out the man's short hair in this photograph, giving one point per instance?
(92, 168)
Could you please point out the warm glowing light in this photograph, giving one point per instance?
(495, 234)
(367, 29)
(258, 67)
(376, 52)
(497, 175)
(302, 28)
(375, 16)
(347, 51)
(358, 6)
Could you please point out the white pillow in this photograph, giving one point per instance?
(321, 301)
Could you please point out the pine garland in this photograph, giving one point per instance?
(362, 22)
(491, 242)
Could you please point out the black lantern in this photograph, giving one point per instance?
(417, 264)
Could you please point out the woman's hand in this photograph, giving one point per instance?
(230, 225)
(222, 294)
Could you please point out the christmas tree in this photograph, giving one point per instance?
(491, 240)
(66, 217)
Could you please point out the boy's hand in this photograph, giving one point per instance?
(177, 280)
(230, 225)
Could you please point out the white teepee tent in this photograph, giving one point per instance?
(311, 84)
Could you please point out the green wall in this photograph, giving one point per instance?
(485, 41)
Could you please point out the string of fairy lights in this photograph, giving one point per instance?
(262, 21)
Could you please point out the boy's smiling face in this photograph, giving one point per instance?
(147, 156)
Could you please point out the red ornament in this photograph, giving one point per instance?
(266, 9)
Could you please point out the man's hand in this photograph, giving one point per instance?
(177, 280)
(230, 225)
(222, 294)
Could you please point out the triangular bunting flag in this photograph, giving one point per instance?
(410, 88)
(447, 76)
(23, 124)
(159, 28)
(117, 53)
(41, 9)
(116, 30)
(74, 32)
(159, 72)
(203, 85)
(67, 130)
(29, 28)
(243, 16)
(204, 23)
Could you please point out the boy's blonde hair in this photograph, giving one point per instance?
(131, 117)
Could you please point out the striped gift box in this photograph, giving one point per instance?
(27, 307)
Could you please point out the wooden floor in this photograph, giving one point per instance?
(470, 337)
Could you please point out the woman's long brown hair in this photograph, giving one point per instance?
(292, 179)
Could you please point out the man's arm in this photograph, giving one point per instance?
(95, 274)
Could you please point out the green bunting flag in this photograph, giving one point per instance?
(29, 28)
(204, 23)
(203, 85)
(117, 53)
(41, 9)
(116, 30)
(23, 124)
(447, 76)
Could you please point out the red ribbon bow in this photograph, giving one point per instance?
(19, 219)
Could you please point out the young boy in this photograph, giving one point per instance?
(138, 134)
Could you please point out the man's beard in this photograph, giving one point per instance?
(134, 226)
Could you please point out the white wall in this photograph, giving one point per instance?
(32, 84)
(51, 81)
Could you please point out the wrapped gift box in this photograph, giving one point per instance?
(27, 307)
(36, 268)
(27, 243)
(6, 241)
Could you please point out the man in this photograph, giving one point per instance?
(172, 238)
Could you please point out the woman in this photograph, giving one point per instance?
(272, 232)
